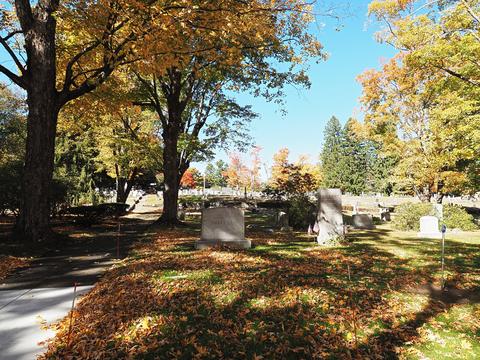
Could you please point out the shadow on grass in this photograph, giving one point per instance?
(260, 302)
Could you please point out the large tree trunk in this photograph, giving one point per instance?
(33, 222)
(171, 179)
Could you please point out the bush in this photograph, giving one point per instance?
(92, 214)
(407, 216)
(10, 187)
(301, 212)
(456, 217)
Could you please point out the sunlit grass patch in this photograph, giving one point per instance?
(200, 277)
(453, 334)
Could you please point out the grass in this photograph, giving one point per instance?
(285, 298)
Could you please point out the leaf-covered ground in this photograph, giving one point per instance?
(284, 299)
(9, 264)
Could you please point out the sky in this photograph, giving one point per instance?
(334, 91)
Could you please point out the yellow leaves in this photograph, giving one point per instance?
(8, 264)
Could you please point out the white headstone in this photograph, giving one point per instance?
(429, 228)
(362, 221)
(223, 226)
(282, 220)
(329, 216)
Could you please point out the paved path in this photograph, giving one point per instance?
(43, 292)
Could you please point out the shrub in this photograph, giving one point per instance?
(301, 212)
(407, 216)
(10, 187)
(456, 217)
(92, 214)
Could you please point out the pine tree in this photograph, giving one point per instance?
(352, 166)
(352, 163)
(332, 154)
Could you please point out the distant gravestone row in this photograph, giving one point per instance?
(226, 225)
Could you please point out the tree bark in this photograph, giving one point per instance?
(42, 101)
(124, 186)
(121, 193)
(423, 193)
(171, 178)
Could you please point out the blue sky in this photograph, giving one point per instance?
(334, 90)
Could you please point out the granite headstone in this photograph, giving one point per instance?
(223, 226)
(329, 216)
(362, 221)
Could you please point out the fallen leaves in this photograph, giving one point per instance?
(170, 301)
(8, 264)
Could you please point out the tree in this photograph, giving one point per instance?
(293, 179)
(441, 41)
(126, 136)
(254, 170)
(76, 170)
(280, 162)
(352, 166)
(214, 174)
(190, 179)
(402, 113)
(237, 172)
(128, 148)
(70, 48)
(332, 154)
(12, 149)
(239, 50)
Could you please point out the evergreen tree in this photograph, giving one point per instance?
(352, 166)
(332, 154)
(352, 163)
(380, 169)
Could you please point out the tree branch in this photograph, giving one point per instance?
(18, 80)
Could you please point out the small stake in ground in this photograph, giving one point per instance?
(71, 313)
(118, 240)
(354, 313)
(444, 231)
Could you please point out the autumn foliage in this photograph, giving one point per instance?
(286, 298)
(8, 264)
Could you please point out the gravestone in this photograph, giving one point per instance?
(362, 221)
(223, 226)
(429, 228)
(282, 221)
(329, 216)
(181, 214)
(384, 214)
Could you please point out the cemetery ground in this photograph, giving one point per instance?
(40, 286)
(377, 296)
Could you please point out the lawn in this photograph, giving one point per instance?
(286, 298)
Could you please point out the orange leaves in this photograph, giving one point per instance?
(8, 264)
(172, 301)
